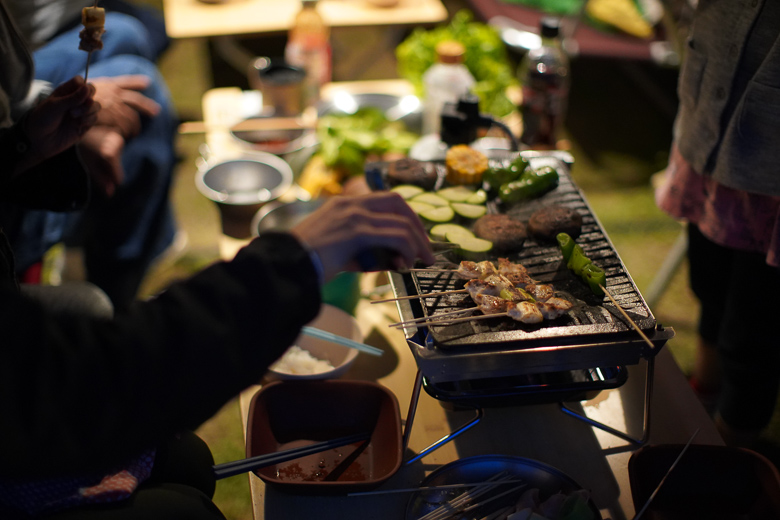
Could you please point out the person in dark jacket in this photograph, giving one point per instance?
(97, 408)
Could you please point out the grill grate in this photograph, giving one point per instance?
(591, 315)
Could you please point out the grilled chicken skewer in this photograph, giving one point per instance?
(512, 276)
(525, 312)
(467, 269)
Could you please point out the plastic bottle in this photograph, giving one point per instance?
(308, 47)
(445, 81)
(544, 75)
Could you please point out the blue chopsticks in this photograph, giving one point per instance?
(329, 336)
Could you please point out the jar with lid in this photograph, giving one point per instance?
(444, 82)
(544, 75)
(308, 47)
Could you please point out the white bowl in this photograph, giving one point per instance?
(336, 321)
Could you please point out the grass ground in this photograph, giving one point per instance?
(619, 128)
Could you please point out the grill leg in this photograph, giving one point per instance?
(410, 421)
(650, 372)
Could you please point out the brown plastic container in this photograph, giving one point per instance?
(712, 482)
(288, 414)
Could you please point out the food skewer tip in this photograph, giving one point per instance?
(627, 317)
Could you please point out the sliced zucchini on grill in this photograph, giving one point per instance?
(438, 215)
(479, 197)
(407, 191)
(430, 198)
(443, 231)
(456, 193)
(469, 211)
(419, 207)
(473, 248)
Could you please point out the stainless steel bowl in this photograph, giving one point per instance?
(396, 108)
(281, 216)
(241, 186)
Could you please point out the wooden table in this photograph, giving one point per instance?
(197, 19)
(594, 458)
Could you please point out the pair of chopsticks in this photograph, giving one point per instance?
(333, 338)
(229, 469)
(254, 124)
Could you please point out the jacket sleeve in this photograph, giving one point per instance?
(59, 183)
(86, 394)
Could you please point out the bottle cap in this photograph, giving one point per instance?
(450, 51)
(550, 26)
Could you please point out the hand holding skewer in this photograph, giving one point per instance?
(341, 231)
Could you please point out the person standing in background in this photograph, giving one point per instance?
(722, 179)
(129, 223)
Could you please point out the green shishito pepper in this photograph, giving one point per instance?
(578, 260)
(497, 177)
(566, 243)
(532, 183)
(595, 277)
(579, 263)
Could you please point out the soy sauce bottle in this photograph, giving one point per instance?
(544, 75)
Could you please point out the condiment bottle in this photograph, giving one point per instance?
(444, 82)
(308, 47)
(544, 75)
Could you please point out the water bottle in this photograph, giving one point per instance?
(544, 75)
(444, 82)
(308, 47)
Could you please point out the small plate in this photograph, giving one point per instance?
(547, 479)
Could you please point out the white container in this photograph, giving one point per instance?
(444, 82)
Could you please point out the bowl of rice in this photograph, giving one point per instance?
(313, 358)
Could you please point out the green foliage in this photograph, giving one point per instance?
(486, 59)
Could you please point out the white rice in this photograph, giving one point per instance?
(299, 362)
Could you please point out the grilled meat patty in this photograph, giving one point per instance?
(412, 171)
(506, 233)
(547, 222)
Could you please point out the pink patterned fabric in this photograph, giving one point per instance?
(44, 496)
(731, 218)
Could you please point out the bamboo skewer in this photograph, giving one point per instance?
(627, 317)
(415, 296)
(86, 69)
(432, 488)
(465, 502)
(89, 54)
(401, 324)
(469, 318)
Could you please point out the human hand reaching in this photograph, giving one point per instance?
(59, 121)
(122, 105)
(345, 227)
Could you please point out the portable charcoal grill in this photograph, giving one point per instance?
(497, 361)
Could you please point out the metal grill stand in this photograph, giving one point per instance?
(660, 339)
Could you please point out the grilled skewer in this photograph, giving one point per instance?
(402, 324)
(527, 312)
(93, 19)
(466, 269)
